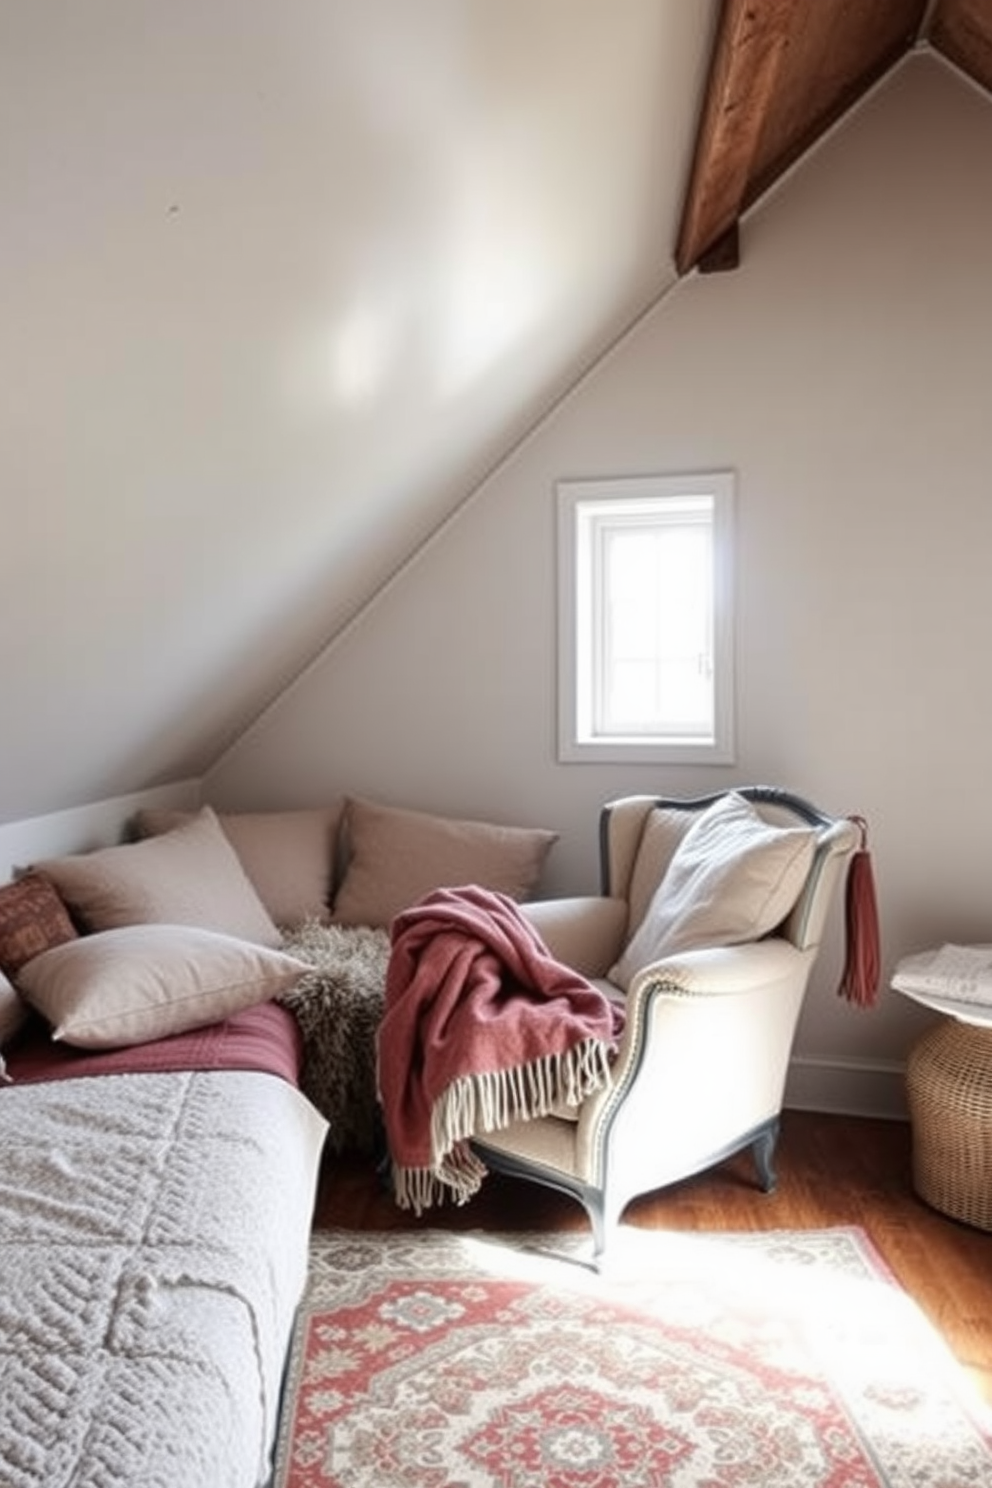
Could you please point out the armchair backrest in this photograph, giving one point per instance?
(630, 874)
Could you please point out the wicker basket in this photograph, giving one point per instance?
(949, 1089)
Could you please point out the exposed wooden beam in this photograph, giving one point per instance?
(962, 30)
(751, 39)
(783, 72)
(723, 254)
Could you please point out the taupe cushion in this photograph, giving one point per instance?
(141, 982)
(733, 878)
(189, 876)
(288, 855)
(397, 856)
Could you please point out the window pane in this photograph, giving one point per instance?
(656, 670)
(646, 654)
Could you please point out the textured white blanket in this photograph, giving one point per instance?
(153, 1248)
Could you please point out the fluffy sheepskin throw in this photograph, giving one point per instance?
(482, 1026)
(338, 1006)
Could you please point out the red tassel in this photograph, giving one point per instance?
(859, 983)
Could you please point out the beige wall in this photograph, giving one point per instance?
(845, 372)
(279, 280)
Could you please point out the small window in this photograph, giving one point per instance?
(645, 625)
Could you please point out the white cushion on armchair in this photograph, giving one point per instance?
(732, 879)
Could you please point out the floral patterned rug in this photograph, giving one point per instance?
(428, 1359)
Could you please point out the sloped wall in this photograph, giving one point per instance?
(845, 372)
(279, 282)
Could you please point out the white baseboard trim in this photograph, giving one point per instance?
(847, 1087)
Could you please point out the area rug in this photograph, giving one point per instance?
(428, 1359)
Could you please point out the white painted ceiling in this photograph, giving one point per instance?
(279, 283)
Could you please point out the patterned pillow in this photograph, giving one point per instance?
(32, 919)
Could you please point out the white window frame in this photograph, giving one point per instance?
(580, 578)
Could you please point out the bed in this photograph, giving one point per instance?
(155, 1208)
(160, 1143)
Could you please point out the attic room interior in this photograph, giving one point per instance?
(316, 318)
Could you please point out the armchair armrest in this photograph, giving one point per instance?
(689, 991)
(703, 1054)
(585, 932)
(716, 971)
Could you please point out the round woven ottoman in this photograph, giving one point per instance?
(949, 1089)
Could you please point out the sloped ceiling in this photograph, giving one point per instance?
(279, 284)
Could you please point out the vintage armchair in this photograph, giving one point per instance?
(701, 1067)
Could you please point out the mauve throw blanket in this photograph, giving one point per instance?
(481, 1027)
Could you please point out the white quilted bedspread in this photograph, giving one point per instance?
(153, 1247)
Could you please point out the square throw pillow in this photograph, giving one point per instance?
(141, 982)
(32, 918)
(189, 876)
(396, 856)
(733, 878)
(288, 855)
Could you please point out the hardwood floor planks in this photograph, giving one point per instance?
(832, 1170)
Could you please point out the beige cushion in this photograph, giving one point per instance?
(584, 933)
(143, 982)
(288, 855)
(12, 1010)
(664, 829)
(733, 878)
(190, 876)
(397, 856)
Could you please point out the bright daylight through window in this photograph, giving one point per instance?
(645, 619)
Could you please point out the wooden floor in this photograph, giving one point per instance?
(832, 1170)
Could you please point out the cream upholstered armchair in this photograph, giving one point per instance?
(708, 926)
